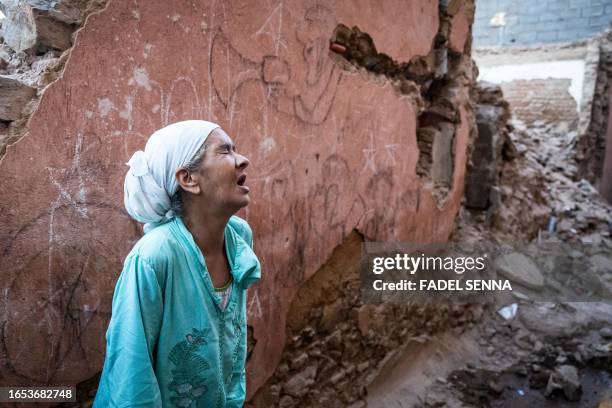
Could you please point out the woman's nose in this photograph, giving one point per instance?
(242, 161)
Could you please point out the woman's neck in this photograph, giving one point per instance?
(207, 229)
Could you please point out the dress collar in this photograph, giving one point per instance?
(244, 265)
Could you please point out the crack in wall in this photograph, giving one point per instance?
(336, 345)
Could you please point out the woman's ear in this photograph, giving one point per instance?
(188, 181)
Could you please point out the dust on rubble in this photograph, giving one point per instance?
(550, 354)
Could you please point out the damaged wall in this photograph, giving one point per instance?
(36, 40)
(337, 143)
(490, 145)
(335, 344)
(593, 125)
(559, 83)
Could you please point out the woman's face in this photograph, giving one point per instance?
(223, 176)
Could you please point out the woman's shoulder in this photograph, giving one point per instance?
(157, 246)
(242, 228)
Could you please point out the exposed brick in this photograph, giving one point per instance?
(570, 13)
(546, 36)
(548, 16)
(541, 99)
(552, 26)
(579, 22)
(527, 37)
(537, 7)
(569, 35)
(528, 18)
(579, 3)
(592, 11)
(557, 5)
(600, 21)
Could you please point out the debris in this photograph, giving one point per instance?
(520, 269)
(565, 378)
(552, 224)
(508, 312)
(299, 384)
(14, 97)
(606, 333)
(339, 48)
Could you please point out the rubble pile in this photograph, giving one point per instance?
(549, 355)
(548, 352)
(537, 186)
(539, 190)
(35, 42)
(337, 344)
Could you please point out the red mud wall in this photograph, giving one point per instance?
(331, 151)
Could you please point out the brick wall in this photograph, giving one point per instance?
(543, 21)
(541, 99)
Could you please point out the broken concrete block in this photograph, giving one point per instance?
(299, 384)
(14, 95)
(520, 269)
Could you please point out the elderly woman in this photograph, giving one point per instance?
(177, 336)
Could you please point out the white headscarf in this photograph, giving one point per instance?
(151, 181)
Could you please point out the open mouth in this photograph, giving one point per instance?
(242, 180)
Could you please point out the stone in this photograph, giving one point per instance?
(286, 402)
(538, 346)
(14, 96)
(337, 377)
(606, 332)
(601, 263)
(369, 317)
(34, 25)
(496, 387)
(565, 378)
(332, 314)
(299, 361)
(520, 269)
(298, 385)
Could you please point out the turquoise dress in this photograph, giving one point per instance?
(169, 343)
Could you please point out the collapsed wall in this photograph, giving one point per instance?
(361, 141)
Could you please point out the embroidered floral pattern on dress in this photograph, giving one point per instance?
(188, 382)
(237, 335)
